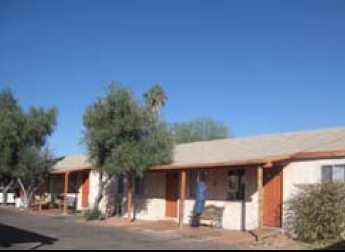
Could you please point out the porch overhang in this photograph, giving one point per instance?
(174, 167)
(264, 162)
(64, 171)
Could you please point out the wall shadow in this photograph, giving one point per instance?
(10, 236)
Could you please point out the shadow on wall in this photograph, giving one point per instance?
(140, 206)
(111, 199)
(117, 199)
(10, 237)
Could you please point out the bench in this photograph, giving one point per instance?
(212, 216)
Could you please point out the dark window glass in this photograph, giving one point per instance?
(139, 186)
(327, 174)
(192, 183)
(235, 185)
(121, 184)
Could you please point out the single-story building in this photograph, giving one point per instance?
(74, 179)
(250, 178)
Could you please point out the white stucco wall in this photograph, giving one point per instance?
(150, 206)
(303, 172)
(233, 211)
(153, 206)
(110, 191)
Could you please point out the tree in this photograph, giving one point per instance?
(23, 136)
(10, 126)
(204, 129)
(33, 172)
(156, 98)
(124, 137)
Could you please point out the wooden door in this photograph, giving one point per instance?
(273, 197)
(86, 189)
(172, 194)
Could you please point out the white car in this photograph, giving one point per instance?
(11, 197)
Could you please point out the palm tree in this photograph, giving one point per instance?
(156, 98)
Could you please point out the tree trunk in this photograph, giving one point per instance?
(99, 196)
(102, 184)
(130, 196)
(5, 192)
(28, 194)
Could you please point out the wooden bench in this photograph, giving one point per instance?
(212, 216)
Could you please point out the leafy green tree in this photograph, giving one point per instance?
(204, 129)
(124, 137)
(33, 170)
(156, 98)
(23, 136)
(10, 127)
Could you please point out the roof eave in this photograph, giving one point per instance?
(266, 163)
(64, 171)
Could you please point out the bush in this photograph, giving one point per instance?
(317, 212)
(91, 215)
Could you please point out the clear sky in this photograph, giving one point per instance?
(259, 66)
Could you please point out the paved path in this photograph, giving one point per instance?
(19, 230)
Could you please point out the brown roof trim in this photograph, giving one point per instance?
(267, 163)
(306, 156)
(319, 154)
(208, 165)
(70, 171)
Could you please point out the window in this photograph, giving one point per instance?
(333, 173)
(139, 186)
(194, 177)
(121, 184)
(72, 186)
(235, 186)
(192, 184)
(203, 175)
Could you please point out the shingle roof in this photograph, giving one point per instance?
(72, 163)
(240, 149)
(260, 147)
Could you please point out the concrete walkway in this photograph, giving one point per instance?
(20, 230)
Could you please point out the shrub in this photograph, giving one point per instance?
(317, 212)
(91, 215)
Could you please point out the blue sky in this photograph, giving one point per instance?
(259, 66)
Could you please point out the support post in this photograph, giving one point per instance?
(65, 208)
(51, 189)
(261, 195)
(182, 197)
(130, 196)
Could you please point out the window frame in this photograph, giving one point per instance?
(239, 195)
(192, 184)
(140, 186)
(330, 177)
(121, 182)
